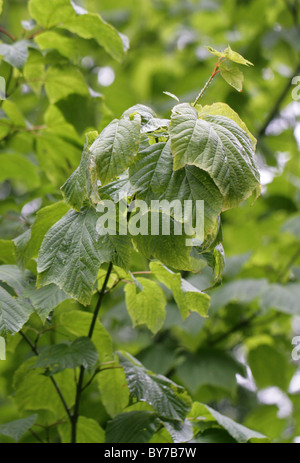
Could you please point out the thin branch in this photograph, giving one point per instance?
(36, 436)
(276, 108)
(99, 370)
(57, 388)
(4, 31)
(213, 74)
(79, 387)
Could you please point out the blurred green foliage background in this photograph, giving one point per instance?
(240, 359)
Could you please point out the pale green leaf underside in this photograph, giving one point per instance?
(217, 145)
(188, 298)
(146, 306)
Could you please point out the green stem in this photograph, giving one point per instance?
(213, 74)
(79, 387)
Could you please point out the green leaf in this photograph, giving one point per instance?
(34, 391)
(132, 427)
(92, 26)
(180, 432)
(62, 82)
(153, 177)
(243, 291)
(52, 13)
(113, 389)
(222, 109)
(34, 71)
(217, 145)
(44, 299)
(116, 147)
(167, 398)
(16, 429)
(292, 225)
(7, 251)
(52, 40)
(80, 352)
(146, 306)
(213, 436)
(15, 278)
(71, 255)
(77, 324)
(237, 431)
(16, 167)
(216, 260)
(232, 75)
(231, 55)
(210, 367)
(15, 54)
(88, 432)
(282, 298)
(14, 313)
(270, 367)
(187, 297)
(79, 186)
(45, 218)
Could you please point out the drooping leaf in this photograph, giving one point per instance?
(56, 358)
(232, 75)
(187, 297)
(16, 429)
(167, 398)
(116, 147)
(217, 145)
(180, 432)
(146, 306)
(132, 427)
(14, 313)
(79, 185)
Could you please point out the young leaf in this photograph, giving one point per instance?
(146, 306)
(217, 145)
(232, 75)
(231, 55)
(113, 389)
(187, 297)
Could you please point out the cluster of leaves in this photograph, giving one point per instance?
(54, 263)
